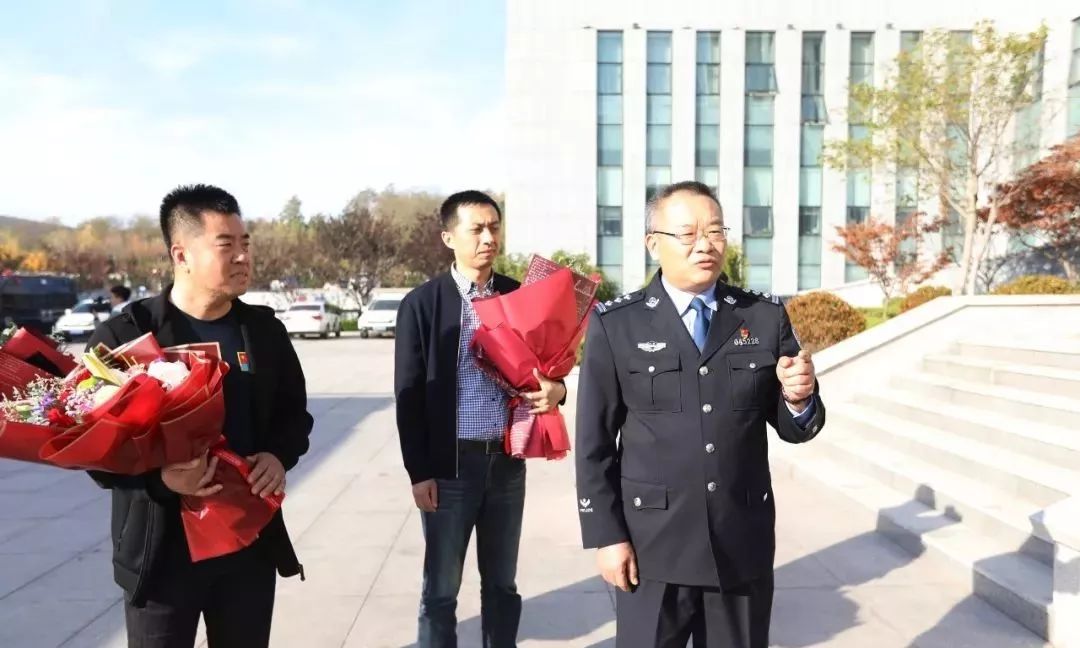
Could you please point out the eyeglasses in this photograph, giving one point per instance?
(713, 234)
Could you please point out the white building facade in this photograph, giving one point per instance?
(609, 99)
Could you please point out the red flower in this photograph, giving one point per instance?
(59, 417)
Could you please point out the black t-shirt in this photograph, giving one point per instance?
(239, 431)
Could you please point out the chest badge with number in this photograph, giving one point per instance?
(744, 338)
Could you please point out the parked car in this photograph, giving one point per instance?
(380, 317)
(35, 301)
(80, 321)
(312, 318)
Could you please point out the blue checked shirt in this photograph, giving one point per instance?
(482, 406)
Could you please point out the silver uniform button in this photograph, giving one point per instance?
(706, 408)
(753, 365)
(637, 502)
(710, 448)
(652, 369)
(711, 486)
(704, 371)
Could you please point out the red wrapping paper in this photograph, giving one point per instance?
(26, 344)
(538, 326)
(225, 523)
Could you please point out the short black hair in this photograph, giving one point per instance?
(688, 186)
(185, 205)
(123, 292)
(448, 212)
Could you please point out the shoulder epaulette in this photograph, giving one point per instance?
(754, 294)
(620, 301)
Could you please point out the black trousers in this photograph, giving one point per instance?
(662, 615)
(234, 594)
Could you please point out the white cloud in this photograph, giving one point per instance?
(181, 51)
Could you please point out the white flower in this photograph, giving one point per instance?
(170, 374)
(104, 393)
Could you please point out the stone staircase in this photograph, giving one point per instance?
(959, 454)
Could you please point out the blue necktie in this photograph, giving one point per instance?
(701, 322)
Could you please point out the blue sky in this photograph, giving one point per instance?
(105, 105)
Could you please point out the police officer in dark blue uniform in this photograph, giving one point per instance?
(677, 384)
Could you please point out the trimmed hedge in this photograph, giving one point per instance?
(822, 319)
(923, 295)
(1037, 285)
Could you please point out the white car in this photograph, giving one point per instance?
(312, 318)
(380, 317)
(275, 300)
(81, 320)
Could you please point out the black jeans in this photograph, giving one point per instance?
(235, 595)
(490, 495)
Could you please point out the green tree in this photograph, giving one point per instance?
(945, 111)
(291, 213)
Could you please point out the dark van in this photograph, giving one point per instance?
(35, 301)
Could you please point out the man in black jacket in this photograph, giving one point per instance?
(266, 420)
(451, 420)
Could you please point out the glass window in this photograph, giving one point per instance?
(858, 133)
(708, 79)
(809, 277)
(759, 47)
(813, 145)
(656, 178)
(759, 111)
(907, 188)
(810, 186)
(708, 175)
(810, 250)
(759, 146)
(813, 109)
(658, 109)
(708, 109)
(759, 278)
(862, 48)
(658, 145)
(909, 40)
(854, 273)
(1074, 64)
(708, 47)
(659, 79)
(609, 78)
(857, 214)
(609, 186)
(1074, 111)
(760, 78)
(858, 188)
(757, 186)
(609, 109)
(812, 80)
(812, 48)
(708, 146)
(609, 47)
(758, 252)
(658, 47)
(609, 145)
(609, 250)
(610, 221)
(809, 221)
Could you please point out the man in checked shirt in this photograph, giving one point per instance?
(451, 420)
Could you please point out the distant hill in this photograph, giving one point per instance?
(27, 231)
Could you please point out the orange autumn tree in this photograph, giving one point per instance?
(1042, 205)
(892, 255)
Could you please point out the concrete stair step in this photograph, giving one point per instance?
(1022, 477)
(1003, 519)
(1018, 585)
(1032, 377)
(1056, 445)
(1048, 409)
(1059, 351)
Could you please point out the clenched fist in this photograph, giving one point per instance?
(796, 376)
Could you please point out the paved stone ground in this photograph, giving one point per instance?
(352, 518)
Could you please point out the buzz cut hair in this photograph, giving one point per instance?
(687, 186)
(184, 207)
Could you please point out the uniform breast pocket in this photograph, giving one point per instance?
(753, 379)
(655, 383)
